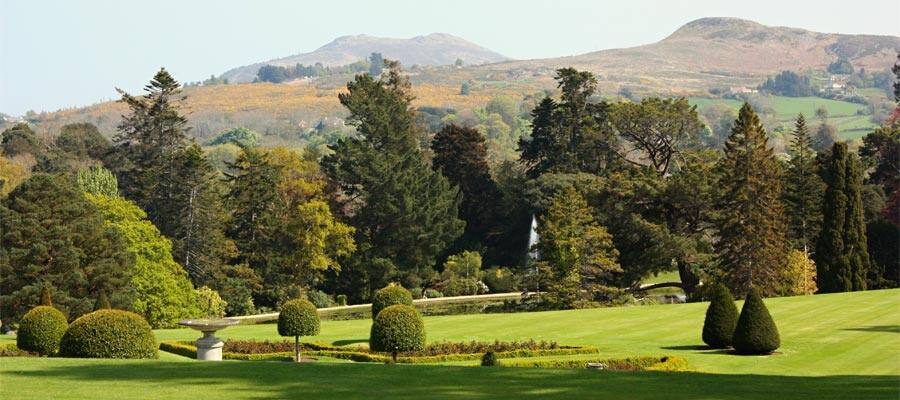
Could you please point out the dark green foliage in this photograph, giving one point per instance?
(803, 189)
(341, 299)
(489, 359)
(102, 302)
(41, 330)
(842, 257)
(660, 128)
(721, 318)
(752, 246)
(570, 135)
(46, 300)
(83, 141)
(403, 211)
(461, 156)
(298, 318)
(841, 66)
(755, 332)
(389, 296)
(20, 139)
(398, 328)
(109, 334)
(239, 135)
(788, 83)
(53, 237)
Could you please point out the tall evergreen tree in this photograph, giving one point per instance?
(842, 257)
(460, 155)
(403, 210)
(803, 189)
(751, 244)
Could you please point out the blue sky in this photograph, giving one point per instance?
(57, 54)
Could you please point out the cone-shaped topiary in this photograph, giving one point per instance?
(109, 334)
(397, 328)
(756, 332)
(102, 302)
(388, 296)
(721, 318)
(489, 359)
(41, 330)
(298, 318)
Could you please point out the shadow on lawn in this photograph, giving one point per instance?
(876, 328)
(261, 380)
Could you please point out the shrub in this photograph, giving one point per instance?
(416, 293)
(501, 280)
(396, 329)
(433, 294)
(756, 332)
(388, 296)
(463, 287)
(320, 299)
(341, 299)
(109, 334)
(209, 303)
(298, 318)
(489, 359)
(41, 330)
(721, 318)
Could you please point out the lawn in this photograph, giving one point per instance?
(836, 346)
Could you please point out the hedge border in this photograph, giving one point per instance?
(641, 363)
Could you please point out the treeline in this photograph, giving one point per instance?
(279, 74)
(620, 190)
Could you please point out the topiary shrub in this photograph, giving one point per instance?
(41, 330)
(397, 328)
(298, 318)
(721, 318)
(388, 296)
(489, 359)
(756, 332)
(109, 334)
(341, 299)
(320, 299)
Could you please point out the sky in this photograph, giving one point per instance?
(58, 54)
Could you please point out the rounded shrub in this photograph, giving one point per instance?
(298, 318)
(489, 359)
(41, 330)
(388, 296)
(397, 328)
(756, 332)
(721, 318)
(109, 334)
(341, 299)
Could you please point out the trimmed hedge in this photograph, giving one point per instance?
(489, 359)
(298, 318)
(645, 363)
(388, 296)
(41, 329)
(11, 350)
(109, 334)
(756, 332)
(721, 318)
(179, 348)
(397, 328)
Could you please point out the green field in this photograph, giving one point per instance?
(833, 346)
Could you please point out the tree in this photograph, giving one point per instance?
(20, 139)
(163, 293)
(841, 66)
(575, 251)
(53, 237)
(298, 318)
(12, 173)
(659, 128)
(788, 83)
(803, 189)
(800, 275)
(751, 245)
(376, 65)
(570, 135)
(755, 332)
(460, 156)
(721, 318)
(826, 136)
(238, 135)
(465, 89)
(102, 302)
(83, 141)
(98, 181)
(402, 210)
(842, 258)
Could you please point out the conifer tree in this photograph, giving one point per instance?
(803, 189)
(721, 318)
(842, 258)
(756, 332)
(751, 244)
(102, 302)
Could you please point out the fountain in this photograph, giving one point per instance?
(209, 347)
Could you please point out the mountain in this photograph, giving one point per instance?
(433, 49)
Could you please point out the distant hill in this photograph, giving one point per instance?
(431, 50)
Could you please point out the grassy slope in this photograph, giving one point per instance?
(848, 333)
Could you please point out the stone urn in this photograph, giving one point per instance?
(209, 347)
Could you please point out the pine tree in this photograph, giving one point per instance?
(721, 318)
(842, 257)
(751, 244)
(803, 189)
(102, 302)
(461, 156)
(756, 332)
(403, 210)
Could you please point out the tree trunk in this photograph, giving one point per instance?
(296, 348)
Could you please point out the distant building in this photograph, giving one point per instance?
(741, 89)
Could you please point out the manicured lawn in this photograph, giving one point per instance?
(36, 378)
(834, 334)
